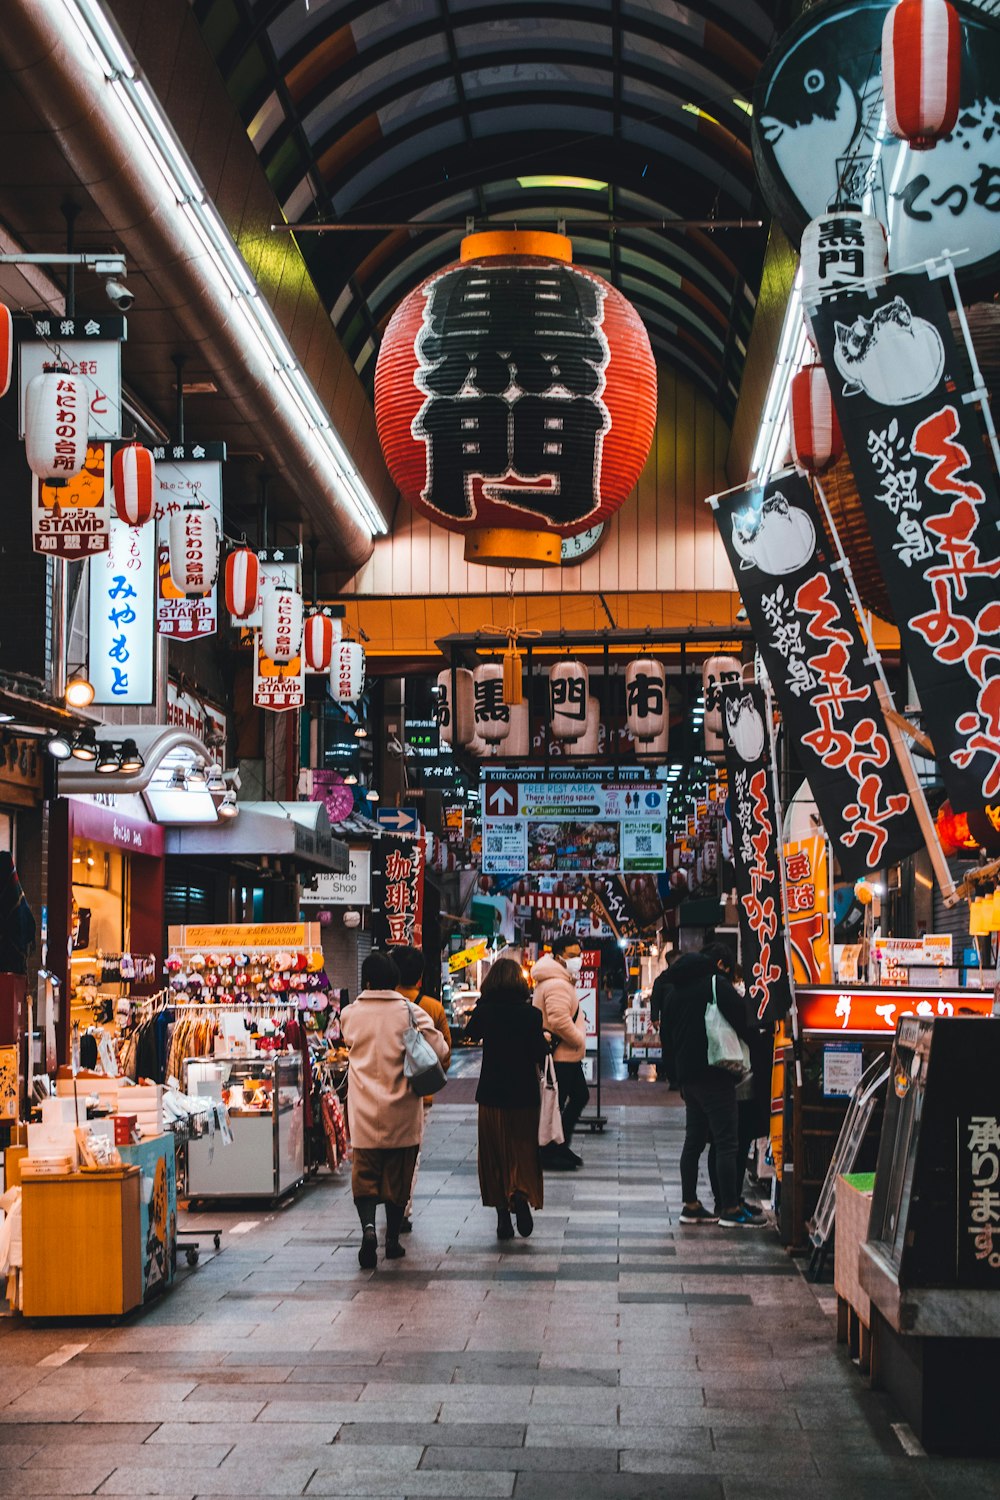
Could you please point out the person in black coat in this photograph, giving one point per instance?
(709, 1093)
(514, 1048)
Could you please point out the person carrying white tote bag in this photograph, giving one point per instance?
(550, 1131)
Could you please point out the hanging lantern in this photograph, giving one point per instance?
(813, 427)
(840, 248)
(645, 699)
(654, 752)
(56, 415)
(515, 397)
(6, 348)
(569, 695)
(242, 583)
(589, 742)
(193, 548)
(347, 672)
(717, 673)
(456, 721)
(281, 623)
(492, 714)
(133, 482)
(517, 744)
(953, 830)
(319, 637)
(921, 70)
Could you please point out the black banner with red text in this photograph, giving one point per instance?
(397, 883)
(811, 644)
(931, 501)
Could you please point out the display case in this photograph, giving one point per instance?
(266, 1158)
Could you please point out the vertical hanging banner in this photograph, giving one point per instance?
(397, 876)
(807, 897)
(931, 501)
(185, 472)
(90, 348)
(811, 644)
(72, 520)
(756, 851)
(120, 651)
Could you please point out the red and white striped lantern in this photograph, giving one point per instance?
(193, 550)
(813, 427)
(319, 638)
(347, 672)
(6, 348)
(840, 249)
(921, 70)
(56, 418)
(281, 623)
(569, 697)
(133, 483)
(242, 583)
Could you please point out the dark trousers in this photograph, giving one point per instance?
(747, 1122)
(711, 1116)
(573, 1096)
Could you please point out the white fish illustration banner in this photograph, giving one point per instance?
(820, 138)
(812, 648)
(930, 498)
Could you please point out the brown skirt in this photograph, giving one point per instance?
(508, 1156)
(384, 1174)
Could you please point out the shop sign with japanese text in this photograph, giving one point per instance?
(277, 685)
(185, 473)
(807, 899)
(931, 502)
(565, 827)
(72, 520)
(121, 644)
(756, 851)
(811, 645)
(878, 1010)
(397, 885)
(91, 349)
(979, 1199)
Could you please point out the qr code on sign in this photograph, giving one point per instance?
(494, 843)
(644, 843)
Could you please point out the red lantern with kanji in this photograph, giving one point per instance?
(921, 70)
(133, 483)
(319, 637)
(6, 348)
(813, 427)
(515, 397)
(242, 583)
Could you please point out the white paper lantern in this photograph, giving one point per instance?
(456, 721)
(193, 549)
(839, 249)
(347, 672)
(56, 424)
(589, 742)
(281, 623)
(517, 744)
(319, 636)
(718, 672)
(655, 752)
(645, 699)
(569, 696)
(492, 714)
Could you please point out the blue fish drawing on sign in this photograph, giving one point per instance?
(820, 137)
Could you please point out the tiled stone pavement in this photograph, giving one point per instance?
(613, 1355)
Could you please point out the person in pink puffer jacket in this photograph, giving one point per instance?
(555, 996)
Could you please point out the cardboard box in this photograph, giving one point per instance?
(124, 1126)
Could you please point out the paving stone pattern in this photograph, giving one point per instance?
(613, 1356)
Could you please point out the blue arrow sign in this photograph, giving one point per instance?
(399, 819)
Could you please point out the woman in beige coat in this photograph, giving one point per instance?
(386, 1117)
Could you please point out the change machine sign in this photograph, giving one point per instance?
(585, 827)
(820, 138)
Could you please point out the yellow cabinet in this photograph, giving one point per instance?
(81, 1244)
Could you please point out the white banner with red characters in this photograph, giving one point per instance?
(73, 519)
(930, 498)
(90, 348)
(185, 473)
(397, 883)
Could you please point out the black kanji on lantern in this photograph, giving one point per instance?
(512, 363)
(568, 696)
(490, 707)
(644, 696)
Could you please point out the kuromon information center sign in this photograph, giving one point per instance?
(578, 828)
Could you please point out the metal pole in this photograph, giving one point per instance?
(178, 363)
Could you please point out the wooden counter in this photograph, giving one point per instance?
(81, 1243)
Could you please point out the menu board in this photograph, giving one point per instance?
(582, 828)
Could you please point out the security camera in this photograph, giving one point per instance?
(741, 614)
(119, 295)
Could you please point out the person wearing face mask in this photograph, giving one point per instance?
(555, 976)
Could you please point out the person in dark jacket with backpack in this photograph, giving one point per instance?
(709, 1093)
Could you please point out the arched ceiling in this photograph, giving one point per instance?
(442, 110)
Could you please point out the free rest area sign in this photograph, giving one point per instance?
(585, 827)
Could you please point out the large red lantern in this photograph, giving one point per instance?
(133, 482)
(515, 397)
(6, 348)
(921, 70)
(242, 583)
(814, 430)
(318, 639)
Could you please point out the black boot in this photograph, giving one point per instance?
(394, 1216)
(368, 1254)
(505, 1229)
(522, 1213)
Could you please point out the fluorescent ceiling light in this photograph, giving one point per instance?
(772, 434)
(557, 180)
(743, 105)
(153, 132)
(170, 804)
(692, 109)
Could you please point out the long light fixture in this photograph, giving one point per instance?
(152, 130)
(772, 434)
